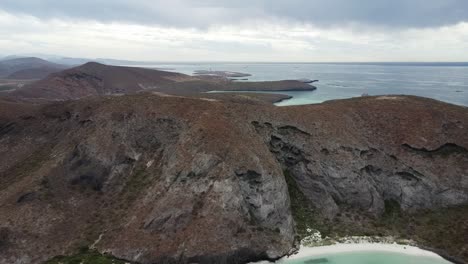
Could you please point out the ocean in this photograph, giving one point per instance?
(446, 82)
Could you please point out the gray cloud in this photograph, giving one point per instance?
(203, 13)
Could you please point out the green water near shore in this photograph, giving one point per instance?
(371, 257)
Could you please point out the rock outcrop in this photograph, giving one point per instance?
(165, 179)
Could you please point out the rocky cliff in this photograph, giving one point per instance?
(364, 152)
(165, 179)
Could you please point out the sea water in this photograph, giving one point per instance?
(370, 257)
(446, 82)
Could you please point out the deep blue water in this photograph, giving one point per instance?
(446, 82)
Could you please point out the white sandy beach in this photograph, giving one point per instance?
(364, 247)
(340, 248)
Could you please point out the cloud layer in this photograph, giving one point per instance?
(261, 30)
(205, 13)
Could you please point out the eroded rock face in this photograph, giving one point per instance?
(157, 179)
(142, 183)
(344, 162)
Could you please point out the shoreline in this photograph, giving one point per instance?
(289, 97)
(277, 92)
(322, 251)
(264, 91)
(344, 248)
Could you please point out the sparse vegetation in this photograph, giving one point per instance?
(85, 256)
(303, 213)
(7, 87)
(26, 166)
(434, 229)
(136, 183)
(4, 236)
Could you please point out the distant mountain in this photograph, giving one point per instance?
(98, 79)
(10, 57)
(71, 61)
(28, 68)
(79, 61)
(33, 73)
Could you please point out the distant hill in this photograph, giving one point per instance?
(28, 68)
(95, 79)
(79, 61)
(33, 73)
(72, 61)
(10, 57)
(92, 79)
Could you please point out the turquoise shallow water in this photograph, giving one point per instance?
(372, 257)
(444, 82)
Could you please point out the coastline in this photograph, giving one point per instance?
(444, 255)
(305, 251)
(320, 251)
(284, 97)
(289, 97)
(259, 90)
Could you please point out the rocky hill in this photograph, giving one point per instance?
(171, 179)
(33, 73)
(94, 79)
(28, 68)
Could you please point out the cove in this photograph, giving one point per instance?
(363, 254)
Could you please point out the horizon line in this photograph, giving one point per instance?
(44, 56)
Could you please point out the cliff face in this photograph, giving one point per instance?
(167, 179)
(151, 180)
(363, 152)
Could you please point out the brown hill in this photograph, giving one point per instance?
(94, 79)
(28, 68)
(33, 73)
(169, 179)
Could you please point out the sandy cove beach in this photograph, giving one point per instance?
(365, 247)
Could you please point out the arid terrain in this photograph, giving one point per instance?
(141, 166)
(94, 79)
(29, 68)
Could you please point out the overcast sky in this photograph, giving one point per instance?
(242, 30)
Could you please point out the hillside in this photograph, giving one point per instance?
(94, 79)
(166, 179)
(33, 73)
(28, 68)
